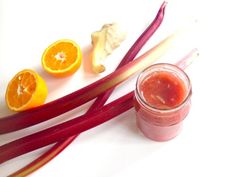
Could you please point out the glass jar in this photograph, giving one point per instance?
(162, 101)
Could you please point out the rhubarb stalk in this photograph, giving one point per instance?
(71, 127)
(100, 100)
(67, 129)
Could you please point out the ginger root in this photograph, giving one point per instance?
(104, 42)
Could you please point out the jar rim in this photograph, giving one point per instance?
(164, 66)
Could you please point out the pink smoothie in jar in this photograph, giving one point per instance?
(162, 101)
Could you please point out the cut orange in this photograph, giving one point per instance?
(26, 90)
(62, 58)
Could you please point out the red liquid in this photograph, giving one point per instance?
(162, 101)
(163, 90)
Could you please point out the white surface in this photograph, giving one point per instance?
(205, 147)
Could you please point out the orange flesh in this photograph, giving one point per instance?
(61, 56)
(21, 89)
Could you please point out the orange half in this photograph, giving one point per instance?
(26, 90)
(62, 58)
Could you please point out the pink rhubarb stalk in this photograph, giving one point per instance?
(65, 130)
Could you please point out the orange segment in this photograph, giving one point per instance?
(26, 90)
(62, 58)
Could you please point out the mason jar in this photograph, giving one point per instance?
(162, 101)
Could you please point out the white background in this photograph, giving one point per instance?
(206, 145)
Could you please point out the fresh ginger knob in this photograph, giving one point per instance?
(104, 42)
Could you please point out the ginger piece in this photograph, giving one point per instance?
(104, 42)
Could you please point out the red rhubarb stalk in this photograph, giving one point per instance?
(100, 100)
(133, 51)
(67, 129)
(77, 98)
(71, 127)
